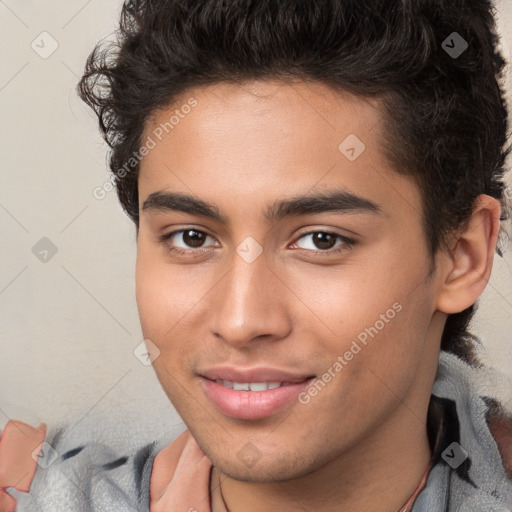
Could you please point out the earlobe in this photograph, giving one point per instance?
(469, 261)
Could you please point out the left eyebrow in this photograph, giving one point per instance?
(340, 201)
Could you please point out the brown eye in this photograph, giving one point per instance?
(186, 242)
(323, 241)
(193, 238)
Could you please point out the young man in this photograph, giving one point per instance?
(317, 191)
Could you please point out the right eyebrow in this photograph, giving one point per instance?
(175, 201)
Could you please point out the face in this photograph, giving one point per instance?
(298, 254)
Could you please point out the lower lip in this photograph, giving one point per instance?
(251, 405)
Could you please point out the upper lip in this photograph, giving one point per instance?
(253, 374)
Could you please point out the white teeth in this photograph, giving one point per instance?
(249, 386)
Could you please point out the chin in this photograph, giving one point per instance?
(264, 473)
(269, 468)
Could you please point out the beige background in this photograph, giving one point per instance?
(69, 325)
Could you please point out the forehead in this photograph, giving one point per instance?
(261, 139)
(273, 109)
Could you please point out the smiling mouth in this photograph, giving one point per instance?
(252, 386)
(252, 400)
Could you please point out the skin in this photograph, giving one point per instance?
(360, 444)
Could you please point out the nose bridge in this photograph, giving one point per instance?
(249, 301)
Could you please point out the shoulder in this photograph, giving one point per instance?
(474, 438)
(500, 425)
(65, 472)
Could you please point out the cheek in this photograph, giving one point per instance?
(167, 295)
(148, 292)
(375, 309)
(164, 305)
(340, 301)
(391, 342)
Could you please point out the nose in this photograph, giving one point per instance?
(250, 303)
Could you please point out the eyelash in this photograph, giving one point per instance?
(347, 244)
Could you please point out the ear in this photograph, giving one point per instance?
(467, 266)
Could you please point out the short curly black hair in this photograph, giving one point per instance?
(444, 109)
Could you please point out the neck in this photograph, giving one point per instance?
(380, 474)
